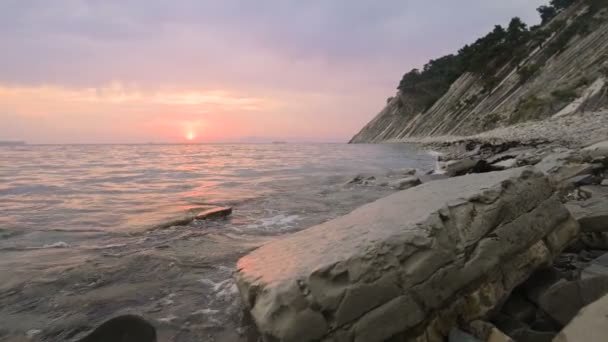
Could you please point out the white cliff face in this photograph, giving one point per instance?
(566, 83)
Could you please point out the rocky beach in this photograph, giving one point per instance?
(472, 208)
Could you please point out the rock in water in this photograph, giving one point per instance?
(405, 183)
(125, 328)
(409, 265)
(214, 213)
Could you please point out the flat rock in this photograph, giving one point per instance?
(415, 262)
(214, 213)
(458, 166)
(564, 165)
(597, 150)
(405, 183)
(564, 299)
(597, 267)
(505, 164)
(591, 214)
(589, 325)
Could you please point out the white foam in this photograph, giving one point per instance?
(167, 319)
(59, 244)
(278, 220)
(439, 167)
(205, 312)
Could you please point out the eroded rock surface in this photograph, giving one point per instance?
(409, 265)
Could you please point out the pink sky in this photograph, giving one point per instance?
(83, 71)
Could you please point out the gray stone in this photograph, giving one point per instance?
(505, 164)
(589, 325)
(564, 299)
(405, 183)
(459, 166)
(604, 182)
(564, 165)
(597, 150)
(529, 335)
(591, 214)
(457, 335)
(393, 267)
(597, 267)
(585, 180)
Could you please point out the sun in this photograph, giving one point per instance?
(190, 136)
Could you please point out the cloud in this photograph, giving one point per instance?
(292, 62)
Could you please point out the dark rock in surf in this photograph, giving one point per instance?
(215, 213)
(125, 328)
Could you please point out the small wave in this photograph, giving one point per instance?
(59, 244)
(279, 220)
(439, 168)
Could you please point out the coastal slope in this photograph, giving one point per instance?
(511, 76)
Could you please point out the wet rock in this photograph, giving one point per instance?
(214, 213)
(405, 183)
(409, 171)
(126, 328)
(358, 179)
(589, 325)
(416, 262)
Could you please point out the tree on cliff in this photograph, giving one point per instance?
(561, 4)
(546, 13)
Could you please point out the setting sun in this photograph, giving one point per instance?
(190, 136)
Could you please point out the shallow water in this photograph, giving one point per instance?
(75, 217)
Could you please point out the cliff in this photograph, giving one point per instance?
(563, 70)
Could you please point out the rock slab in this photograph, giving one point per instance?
(410, 265)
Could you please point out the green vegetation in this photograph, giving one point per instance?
(498, 52)
(564, 95)
(530, 108)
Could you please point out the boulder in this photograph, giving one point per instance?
(458, 166)
(589, 325)
(214, 213)
(411, 264)
(564, 165)
(597, 267)
(604, 182)
(405, 183)
(596, 150)
(125, 328)
(564, 299)
(591, 214)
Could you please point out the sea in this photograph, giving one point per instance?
(63, 207)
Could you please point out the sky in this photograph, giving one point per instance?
(137, 71)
